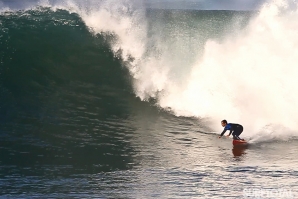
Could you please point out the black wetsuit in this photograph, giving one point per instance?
(235, 130)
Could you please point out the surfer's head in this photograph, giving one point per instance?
(224, 123)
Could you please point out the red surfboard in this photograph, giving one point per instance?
(239, 142)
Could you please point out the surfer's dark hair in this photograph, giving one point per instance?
(224, 121)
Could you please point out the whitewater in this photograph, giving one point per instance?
(119, 99)
(248, 75)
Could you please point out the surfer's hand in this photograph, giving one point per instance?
(227, 135)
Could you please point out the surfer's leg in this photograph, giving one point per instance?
(238, 131)
(235, 135)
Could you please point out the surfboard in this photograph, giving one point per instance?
(239, 142)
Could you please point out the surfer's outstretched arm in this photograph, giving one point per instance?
(222, 133)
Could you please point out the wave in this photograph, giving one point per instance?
(46, 56)
(238, 66)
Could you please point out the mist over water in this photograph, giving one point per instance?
(242, 70)
(243, 74)
(250, 76)
(109, 99)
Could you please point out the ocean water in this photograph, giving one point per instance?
(111, 99)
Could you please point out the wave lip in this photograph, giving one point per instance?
(214, 64)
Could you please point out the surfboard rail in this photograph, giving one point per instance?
(239, 142)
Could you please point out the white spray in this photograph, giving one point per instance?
(252, 76)
(249, 78)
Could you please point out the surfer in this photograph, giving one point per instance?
(235, 129)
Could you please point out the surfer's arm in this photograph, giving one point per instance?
(230, 133)
(223, 132)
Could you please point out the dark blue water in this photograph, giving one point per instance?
(71, 125)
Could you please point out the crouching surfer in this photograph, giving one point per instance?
(235, 129)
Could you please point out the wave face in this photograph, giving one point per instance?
(239, 66)
(48, 56)
(91, 91)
